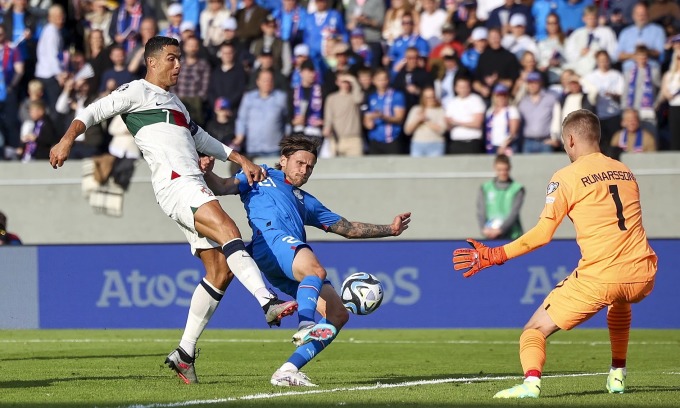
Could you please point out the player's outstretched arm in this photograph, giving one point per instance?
(59, 152)
(218, 185)
(480, 256)
(353, 230)
(252, 171)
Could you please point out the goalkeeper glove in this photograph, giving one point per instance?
(478, 258)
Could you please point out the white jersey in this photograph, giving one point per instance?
(162, 129)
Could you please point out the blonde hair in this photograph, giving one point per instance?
(584, 124)
(34, 85)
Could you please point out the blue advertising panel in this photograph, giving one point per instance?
(150, 286)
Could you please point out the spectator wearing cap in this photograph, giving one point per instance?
(126, 22)
(342, 117)
(614, 20)
(222, 126)
(623, 8)
(262, 118)
(451, 68)
(229, 79)
(642, 32)
(500, 17)
(496, 64)
(270, 42)
(210, 23)
(306, 103)
(470, 57)
(322, 26)
(582, 44)
(570, 12)
(249, 20)
(465, 119)
(517, 41)
(292, 20)
(369, 17)
(384, 116)
(300, 55)
(194, 80)
(529, 66)
(670, 92)
(537, 108)
(432, 19)
(360, 48)
(448, 41)
(412, 78)
(501, 123)
(265, 61)
(605, 87)
(175, 15)
(396, 56)
(551, 50)
(229, 28)
(464, 27)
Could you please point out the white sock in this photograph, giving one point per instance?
(612, 369)
(532, 378)
(203, 305)
(288, 367)
(246, 271)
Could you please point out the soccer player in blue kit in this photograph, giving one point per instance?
(278, 211)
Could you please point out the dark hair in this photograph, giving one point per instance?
(156, 44)
(295, 143)
(583, 123)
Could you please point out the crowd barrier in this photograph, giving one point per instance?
(150, 286)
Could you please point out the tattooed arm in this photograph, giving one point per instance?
(352, 229)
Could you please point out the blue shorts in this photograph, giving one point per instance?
(274, 251)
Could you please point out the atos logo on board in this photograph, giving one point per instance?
(138, 290)
(400, 287)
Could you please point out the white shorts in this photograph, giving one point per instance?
(179, 200)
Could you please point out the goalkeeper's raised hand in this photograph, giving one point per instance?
(479, 257)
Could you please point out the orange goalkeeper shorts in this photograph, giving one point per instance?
(574, 300)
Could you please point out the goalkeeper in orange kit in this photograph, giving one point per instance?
(617, 267)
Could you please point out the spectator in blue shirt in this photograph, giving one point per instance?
(396, 56)
(642, 32)
(262, 118)
(291, 20)
(571, 13)
(384, 117)
(540, 10)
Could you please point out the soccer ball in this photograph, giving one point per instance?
(362, 293)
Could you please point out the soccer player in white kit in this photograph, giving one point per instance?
(169, 141)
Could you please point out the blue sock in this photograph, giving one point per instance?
(305, 353)
(307, 296)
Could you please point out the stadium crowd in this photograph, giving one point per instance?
(418, 77)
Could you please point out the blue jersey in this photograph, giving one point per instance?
(397, 51)
(275, 204)
(278, 213)
(382, 131)
(320, 28)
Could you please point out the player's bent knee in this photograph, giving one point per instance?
(339, 316)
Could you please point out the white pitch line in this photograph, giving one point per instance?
(350, 340)
(346, 389)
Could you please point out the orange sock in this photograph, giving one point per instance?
(618, 320)
(532, 352)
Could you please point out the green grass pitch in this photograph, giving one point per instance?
(363, 368)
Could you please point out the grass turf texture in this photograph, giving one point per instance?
(417, 368)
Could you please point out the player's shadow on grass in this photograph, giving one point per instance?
(629, 390)
(81, 357)
(460, 378)
(48, 382)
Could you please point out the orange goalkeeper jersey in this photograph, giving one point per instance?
(601, 197)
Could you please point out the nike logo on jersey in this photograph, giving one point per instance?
(159, 103)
